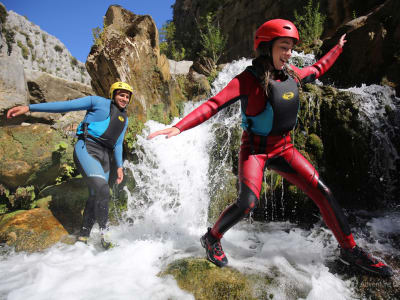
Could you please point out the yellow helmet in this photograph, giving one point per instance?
(120, 86)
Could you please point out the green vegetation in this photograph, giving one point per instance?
(10, 39)
(98, 35)
(168, 45)
(58, 48)
(44, 38)
(206, 281)
(212, 40)
(3, 14)
(29, 43)
(135, 127)
(74, 62)
(25, 51)
(310, 25)
(9, 34)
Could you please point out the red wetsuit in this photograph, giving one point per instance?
(274, 151)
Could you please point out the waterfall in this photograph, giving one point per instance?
(167, 214)
(380, 112)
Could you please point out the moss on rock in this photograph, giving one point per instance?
(208, 282)
(31, 230)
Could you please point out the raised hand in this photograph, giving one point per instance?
(342, 41)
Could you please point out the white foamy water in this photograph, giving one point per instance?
(168, 209)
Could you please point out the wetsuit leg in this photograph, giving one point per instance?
(89, 217)
(92, 160)
(251, 170)
(292, 166)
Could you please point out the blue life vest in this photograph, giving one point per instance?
(105, 132)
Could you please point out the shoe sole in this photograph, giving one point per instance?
(364, 268)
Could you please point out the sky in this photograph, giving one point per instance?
(72, 21)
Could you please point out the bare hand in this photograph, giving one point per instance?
(169, 132)
(342, 41)
(17, 110)
(120, 175)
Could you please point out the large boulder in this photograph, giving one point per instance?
(128, 50)
(206, 281)
(32, 230)
(13, 89)
(44, 87)
(32, 155)
(66, 201)
(372, 53)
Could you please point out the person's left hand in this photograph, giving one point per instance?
(120, 174)
(342, 41)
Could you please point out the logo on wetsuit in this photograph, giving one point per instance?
(288, 95)
(121, 118)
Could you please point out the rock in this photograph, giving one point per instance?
(371, 54)
(32, 155)
(208, 282)
(66, 201)
(37, 50)
(239, 20)
(204, 66)
(128, 50)
(31, 230)
(179, 67)
(44, 87)
(13, 89)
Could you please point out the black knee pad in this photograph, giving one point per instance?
(247, 200)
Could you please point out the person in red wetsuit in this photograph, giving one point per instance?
(269, 94)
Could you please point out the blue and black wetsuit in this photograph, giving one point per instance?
(101, 134)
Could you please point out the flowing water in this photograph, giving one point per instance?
(167, 215)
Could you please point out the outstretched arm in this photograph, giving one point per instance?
(230, 94)
(53, 107)
(17, 111)
(310, 73)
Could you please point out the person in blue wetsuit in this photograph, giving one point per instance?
(100, 138)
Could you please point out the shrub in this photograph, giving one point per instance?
(310, 25)
(74, 62)
(168, 44)
(44, 38)
(98, 35)
(25, 51)
(211, 38)
(58, 48)
(10, 39)
(3, 14)
(29, 43)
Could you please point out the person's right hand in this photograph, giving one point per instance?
(17, 110)
(169, 132)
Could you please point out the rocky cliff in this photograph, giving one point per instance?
(239, 19)
(37, 50)
(128, 50)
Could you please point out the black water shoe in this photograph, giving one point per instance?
(214, 251)
(360, 258)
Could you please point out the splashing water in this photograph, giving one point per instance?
(168, 209)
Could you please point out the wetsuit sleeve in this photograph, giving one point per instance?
(310, 73)
(228, 95)
(84, 103)
(118, 147)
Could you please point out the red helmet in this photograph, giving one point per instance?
(273, 29)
